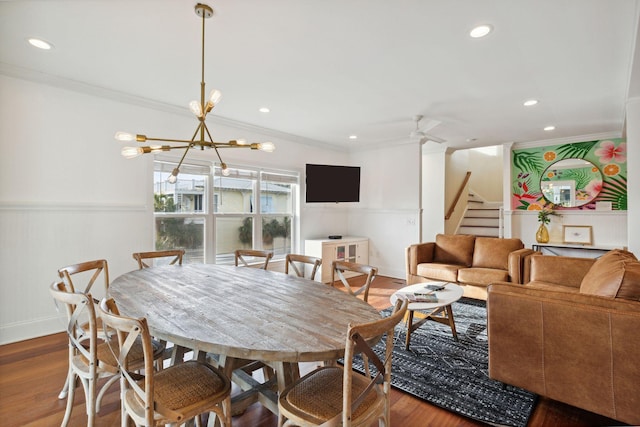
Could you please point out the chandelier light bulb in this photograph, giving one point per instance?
(241, 141)
(173, 178)
(195, 108)
(131, 152)
(214, 96)
(225, 169)
(266, 146)
(125, 136)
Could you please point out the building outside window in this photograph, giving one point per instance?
(211, 231)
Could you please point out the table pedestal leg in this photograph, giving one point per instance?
(253, 390)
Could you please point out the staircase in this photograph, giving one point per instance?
(481, 218)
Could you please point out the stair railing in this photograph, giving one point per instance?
(452, 208)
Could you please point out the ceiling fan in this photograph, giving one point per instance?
(420, 134)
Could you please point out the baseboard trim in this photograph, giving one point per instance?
(21, 331)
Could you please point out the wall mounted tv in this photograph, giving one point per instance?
(330, 183)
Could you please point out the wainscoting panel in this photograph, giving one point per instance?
(37, 239)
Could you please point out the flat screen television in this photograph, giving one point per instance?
(330, 183)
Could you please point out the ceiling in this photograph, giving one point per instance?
(329, 69)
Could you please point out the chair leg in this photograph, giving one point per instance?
(220, 415)
(91, 401)
(226, 411)
(124, 416)
(71, 379)
(104, 389)
(65, 389)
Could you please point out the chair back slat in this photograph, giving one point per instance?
(242, 254)
(175, 256)
(339, 267)
(80, 312)
(130, 331)
(297, 263)
(97, 268)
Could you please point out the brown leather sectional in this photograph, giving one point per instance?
(572, 333)
(473, 262)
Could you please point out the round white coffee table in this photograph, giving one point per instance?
(439, 311)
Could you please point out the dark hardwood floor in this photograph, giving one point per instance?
(32, 373)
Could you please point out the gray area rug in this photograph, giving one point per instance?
(454, 374)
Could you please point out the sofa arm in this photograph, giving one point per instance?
(417, 254)
(560, 270)
(574, 348)
(516, 262)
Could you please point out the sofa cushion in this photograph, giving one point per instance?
(482, 276)
(435, 271)
(454, 249)
(493, 252)
(616, 274)
(548, 286)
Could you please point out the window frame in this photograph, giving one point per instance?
(210, 215)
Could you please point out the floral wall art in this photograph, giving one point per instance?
(535, 172)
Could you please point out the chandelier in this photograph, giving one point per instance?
(201, 137)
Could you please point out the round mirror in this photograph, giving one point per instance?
(571, 182)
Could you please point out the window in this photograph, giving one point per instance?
(233, 220)
(179, 210)
(240, 223)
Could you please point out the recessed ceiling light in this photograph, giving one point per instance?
(530, 102)
(353, 136)
(264, 110)
(481, 31)
(39, 43)
(549, 128)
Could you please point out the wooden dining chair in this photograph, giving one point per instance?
(339, 267)
(338, 395)
(175, 256)
(171, 396)
(86, 275)
(298, 263)
(175, 353)
(242, 257)
(90, 358)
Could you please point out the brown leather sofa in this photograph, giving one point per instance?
(572, 333)
(473, 262)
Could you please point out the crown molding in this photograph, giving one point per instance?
(118, 96)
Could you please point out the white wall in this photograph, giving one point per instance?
(485, 165)
(433, 190)
(67, 195)
(389, 209)
(609, 228)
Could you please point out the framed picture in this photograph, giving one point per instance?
(580, 234)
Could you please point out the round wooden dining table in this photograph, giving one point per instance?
(240, 313)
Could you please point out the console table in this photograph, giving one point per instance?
(565, 249)
(350, 249)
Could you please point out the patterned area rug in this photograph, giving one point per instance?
(454, 374)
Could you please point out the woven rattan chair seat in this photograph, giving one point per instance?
(186, 384)
(320, 394)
